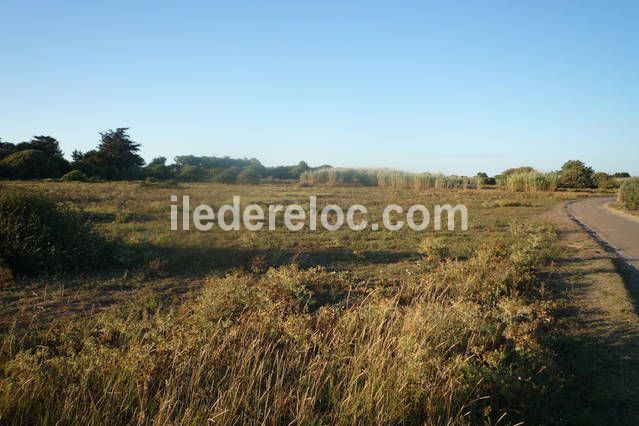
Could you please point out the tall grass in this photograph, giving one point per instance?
(628, 195)
(452, 344)
(385, 178)
(532, 182)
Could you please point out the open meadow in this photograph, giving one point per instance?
(313, 327)
(319, 213)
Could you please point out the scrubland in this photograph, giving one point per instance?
(285, 327)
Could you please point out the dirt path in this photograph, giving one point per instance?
(598, 329)
(620, 231)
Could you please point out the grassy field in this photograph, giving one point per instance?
(277, 327)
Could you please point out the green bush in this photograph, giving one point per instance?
(39, 235)
(628, 194)
(31, 164)
(191, 173)
(604, 181)
(575, 174)
(249, 175)
(227, 176)
(74, 176)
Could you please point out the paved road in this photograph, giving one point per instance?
(617, 229)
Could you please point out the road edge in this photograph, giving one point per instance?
(610, 248)
(621, 213)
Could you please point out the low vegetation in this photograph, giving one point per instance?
(628, 195)
(385, 178)
(39, 235)
(221, 327)
(605, 181)
(454, 341)
(74, 176)
(532, 182)
(326, 327)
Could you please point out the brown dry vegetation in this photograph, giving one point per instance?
(274, 327)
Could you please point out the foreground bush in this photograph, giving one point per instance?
(628, 195)
(39, 235)
(455, 343)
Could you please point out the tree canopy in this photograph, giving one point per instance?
(575, 174)
(115, 158)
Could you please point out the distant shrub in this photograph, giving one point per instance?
(604, 181)
(74, 176)
(191, 173)
(157, 169)
(249, 175)
(628, 194)
(575, 174)
(482, 179)
(621, 175)
(227, 176)
(517, 170)
(31, 164)
(39, 235)
(502, 178)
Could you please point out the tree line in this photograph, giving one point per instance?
(573, 174)
(117, 158)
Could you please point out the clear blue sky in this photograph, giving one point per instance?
(420, 86)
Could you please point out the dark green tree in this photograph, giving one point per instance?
(118, 150)
(46, 144)
(6, 148)
(621, 175)
(575, 174)
(157, 161)
(31, 164)
(115, 158)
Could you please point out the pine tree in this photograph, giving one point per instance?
(118, 150)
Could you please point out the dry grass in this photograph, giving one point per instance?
(349, 329)
(438, 348)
